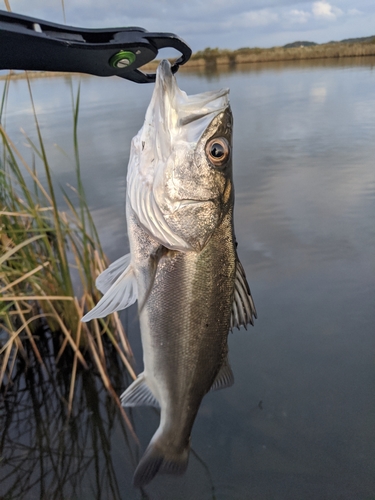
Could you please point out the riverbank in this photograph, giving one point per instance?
(211, 58)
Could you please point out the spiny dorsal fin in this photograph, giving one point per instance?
(107, 278)
(224, 378)
(121, 294)
(243, 308)
(139, 394)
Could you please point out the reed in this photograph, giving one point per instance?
(212, 57)
(49, 258)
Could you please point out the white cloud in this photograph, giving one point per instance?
(261, 17)
(354, 12)
(324, 10)
(298, 16)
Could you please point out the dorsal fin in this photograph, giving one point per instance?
(139, 394)
(243, 308)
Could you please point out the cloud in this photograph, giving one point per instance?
(254, 18)
(298, 16)
(324, 10)
(354, 12)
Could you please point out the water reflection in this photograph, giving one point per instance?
(47, 454)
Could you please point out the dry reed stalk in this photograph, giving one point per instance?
(24, 277)
(75, 361)
(4, 362)
(68, 336)
(13, 336)
(108, 384)
(29, 334)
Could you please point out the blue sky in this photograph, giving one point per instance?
(218, 23)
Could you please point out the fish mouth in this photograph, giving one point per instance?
(177, 109)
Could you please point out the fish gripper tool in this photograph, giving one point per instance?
(27, 43)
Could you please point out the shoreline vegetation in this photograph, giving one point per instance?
(50, 256)
(215, 57)
(212, 58)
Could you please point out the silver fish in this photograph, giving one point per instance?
(183, 266)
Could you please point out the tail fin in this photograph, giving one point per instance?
(158, 460)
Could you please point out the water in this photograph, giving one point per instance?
(299, 421)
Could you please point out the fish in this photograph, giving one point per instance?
(183, 266)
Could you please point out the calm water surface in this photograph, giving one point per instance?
(299, 423)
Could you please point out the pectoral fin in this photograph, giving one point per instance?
(107, 278)
(121, 294)
(139, 394)
(243, 308)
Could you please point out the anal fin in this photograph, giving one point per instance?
(139, 394)
(224, 378)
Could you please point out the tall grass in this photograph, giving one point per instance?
(49, 259)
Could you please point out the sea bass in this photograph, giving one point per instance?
(183, 266)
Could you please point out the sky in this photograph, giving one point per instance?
(217, 23)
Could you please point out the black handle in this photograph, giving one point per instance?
(32, 44)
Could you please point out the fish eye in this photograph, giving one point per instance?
(217, 150)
